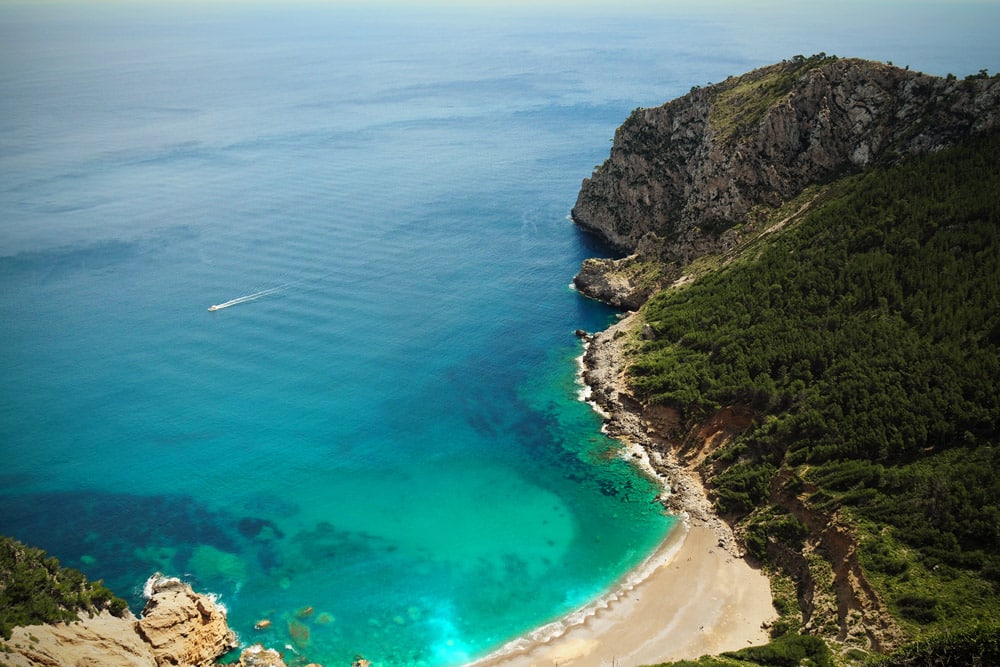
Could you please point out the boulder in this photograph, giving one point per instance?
(258, 656)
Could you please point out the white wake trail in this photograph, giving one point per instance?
(303, 283)
(249, 297)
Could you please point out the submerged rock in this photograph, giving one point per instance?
(258, 656)
(299, 632)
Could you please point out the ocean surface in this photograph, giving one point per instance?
(380, 446)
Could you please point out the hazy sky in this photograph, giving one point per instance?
(790, 6)
(935, 36)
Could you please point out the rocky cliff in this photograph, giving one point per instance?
(177, 627)
(101, 640)
(183, 627)
(686, 179)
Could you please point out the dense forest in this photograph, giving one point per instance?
(865, 339)
(36, 589)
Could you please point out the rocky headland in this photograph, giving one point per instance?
(698, 175)
(177, 628)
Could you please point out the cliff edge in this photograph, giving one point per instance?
(177, 627)
(690, 177)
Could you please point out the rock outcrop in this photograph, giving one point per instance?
(99, 641)
(683, 178)
(259, 656)
(178, 628)
(622, 283)
(183, 627)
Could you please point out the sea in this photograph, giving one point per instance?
(377, 443)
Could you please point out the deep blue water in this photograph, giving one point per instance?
(390, 435)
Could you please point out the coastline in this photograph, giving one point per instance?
(698, 600)
(695, 595)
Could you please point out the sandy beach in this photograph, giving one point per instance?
(698, 600)
(696, 596)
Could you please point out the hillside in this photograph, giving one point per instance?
(816, 253)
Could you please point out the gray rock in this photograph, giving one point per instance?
(682, 177)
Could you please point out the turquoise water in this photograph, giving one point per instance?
(390, 435)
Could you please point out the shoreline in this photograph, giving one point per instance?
(694, 595)
(558, 639)
(697, 600)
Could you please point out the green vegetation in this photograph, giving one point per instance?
(865, 336)
(788, 651)
(977, 645)
(35, 589)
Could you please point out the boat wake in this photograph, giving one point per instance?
(253, 297)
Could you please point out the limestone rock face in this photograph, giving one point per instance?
(682, 177)
(617, 282)
(179, 628)
(183, 627)
(99, 641)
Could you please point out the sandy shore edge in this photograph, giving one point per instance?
(694, 596)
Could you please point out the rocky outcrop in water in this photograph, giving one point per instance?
(624, 284)
(683, 178)
(259, 656)
(183, 627)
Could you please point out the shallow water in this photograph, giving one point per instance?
(390, 434)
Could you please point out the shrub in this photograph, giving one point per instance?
(787, 651)
(977, 645)
(35, 589)
(918, 608)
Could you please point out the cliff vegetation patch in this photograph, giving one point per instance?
(35, 589)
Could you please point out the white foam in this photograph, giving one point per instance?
(585, 393)
(147, 588)
(300, 284)
(214, 597)
(248, 297)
